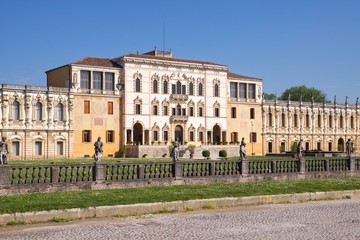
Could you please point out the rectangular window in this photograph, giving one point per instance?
(200, 111)
(156, 136)
(253, 137)
(233, 90)
(233, 112)
(191, 111)
(173, 111)
(109, 81)
(85, 79)
(252, 113)
(270, 119)
(166, 136)
(86, 136)
(319, 121)
(318, 146)
(184, 112)
(60, 148)
(137, 109)
(201, 136)
(173, 88)
(110, 108)
(38, 148)
(252, 88)
(155, 110)
(183, 88)
(15, 148)
(166, 111)
(191, 136)
(97, 80)
(217, 112)
(110, 136)
(242, 90)
(86, 107)
(295, 120)
(234, 137)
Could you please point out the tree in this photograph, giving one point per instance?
(304, 93)
(269, 96)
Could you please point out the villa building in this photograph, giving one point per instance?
(146, 101)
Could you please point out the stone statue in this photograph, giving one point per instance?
(299, 149)
(348, 148)
(98, 147)
(242, 150)
(175, 151)
(3, 151)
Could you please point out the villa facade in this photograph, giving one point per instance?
(150, 100)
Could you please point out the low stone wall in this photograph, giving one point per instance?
(158, 151)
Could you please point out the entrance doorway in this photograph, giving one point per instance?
(179, 132)
(216, 134)
(138, 133)
(341, 145)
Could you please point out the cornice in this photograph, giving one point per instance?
(174, 63)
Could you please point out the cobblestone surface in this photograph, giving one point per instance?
(313, 220)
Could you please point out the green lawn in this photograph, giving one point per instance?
(91, 198)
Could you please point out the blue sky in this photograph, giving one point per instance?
(284, 42)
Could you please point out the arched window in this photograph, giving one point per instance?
(60, 112)
(38, 111)
(191, 88)
(137, 85)
(155, 86)
(216, 90)
(200, 89)
(165, 87)
(178, 87)
(16, 110)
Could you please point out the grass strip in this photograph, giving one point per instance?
(92, 198)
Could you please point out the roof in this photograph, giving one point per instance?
(98, 62)
(168, 59)
(234, 75)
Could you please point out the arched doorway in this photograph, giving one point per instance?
(216, 134)
(179, 133)
(138, 133)
(341, 145)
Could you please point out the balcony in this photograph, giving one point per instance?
(178, 97)
(178, 118)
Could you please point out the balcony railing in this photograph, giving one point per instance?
(178, 118)
(179, 97)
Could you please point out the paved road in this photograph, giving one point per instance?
(312, 220)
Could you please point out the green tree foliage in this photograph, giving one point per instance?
(304, 93)
(269, 96)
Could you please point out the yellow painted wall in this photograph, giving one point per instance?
(58, 76)
(242, 125)
(98, 121)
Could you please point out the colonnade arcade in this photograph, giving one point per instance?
(170, 132)
(321, 126)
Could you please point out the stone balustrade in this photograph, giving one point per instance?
(38, 178)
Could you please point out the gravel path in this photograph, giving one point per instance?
(312, 220)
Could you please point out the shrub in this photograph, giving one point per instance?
(191, 148)
(206, 154)
(223, 154)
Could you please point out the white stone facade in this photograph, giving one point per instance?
(321, 126)
(192, 104)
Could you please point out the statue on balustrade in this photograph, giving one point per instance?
(348, 148)
(3, 151)
(242, 150)
(98, 147)
(299, 149)
(175, 151)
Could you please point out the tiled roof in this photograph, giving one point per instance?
(98, 62)
(234, 75)
(168, 59)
